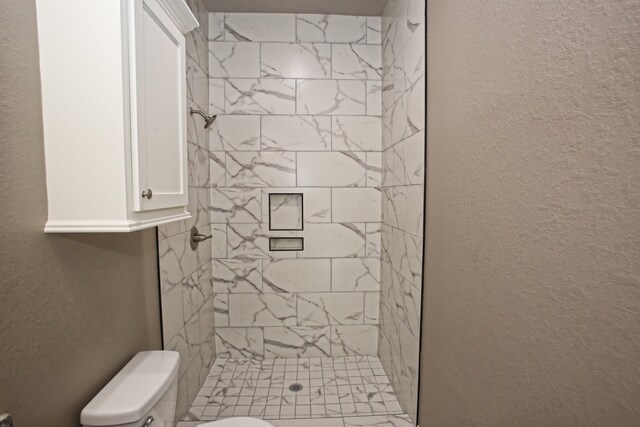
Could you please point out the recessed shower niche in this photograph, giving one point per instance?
(286, 211)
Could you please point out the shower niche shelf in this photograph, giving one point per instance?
(114, 106)
(286, 244)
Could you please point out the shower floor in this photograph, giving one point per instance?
(332, 387)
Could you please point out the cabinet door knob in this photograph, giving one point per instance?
(147, 193)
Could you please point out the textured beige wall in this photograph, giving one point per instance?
(532, 293)
(73, 308)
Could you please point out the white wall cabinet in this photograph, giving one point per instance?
(114, 112)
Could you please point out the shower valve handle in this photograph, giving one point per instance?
(196, 238)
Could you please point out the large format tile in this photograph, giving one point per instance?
(386, 239)
(406, 119)
(336, 240)
(235, 133)
(374, 97)
(221, 310)
(297, 341)
(411, 300)
(172, 318)
(319, 309)
(371, 308)
(399, 353)
(356, 204)
(197, 82)
(415, 105)
(296, 133)
(356, 133)
(235, 205)
(407, 113)
(194, 294)
(198, 166)
(297, 275)
(411, 65)
(331, 28)
(388, 178)
(260, 27)
(356, 61)
(260, 169)
(351, 340)
(408, 160)
(196, 133)
(331, 169)
(373, 239)
(176, 259)
(374, 169)
(407, 256)
(262, 309)
(374, 30)
(216, 96)
(355, 274)
(296, 60)
(234, 59)
(260, 96)
(388, 95)
(239, 342)
(217, 174)
(331, 97)
(179, 343)
(207, 332)
(216, 26)
(192, 329)
(237, 276)
(407, 203)
(218, 241)
(389, 207)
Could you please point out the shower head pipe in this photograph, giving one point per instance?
(208, 120)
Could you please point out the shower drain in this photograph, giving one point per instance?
(295, 387)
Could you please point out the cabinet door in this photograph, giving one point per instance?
(159, 125)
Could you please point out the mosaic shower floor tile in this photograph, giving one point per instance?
(277, 389)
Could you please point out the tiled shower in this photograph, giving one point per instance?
(319, 142)
(296, 118)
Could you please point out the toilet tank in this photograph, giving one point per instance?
(146, 387)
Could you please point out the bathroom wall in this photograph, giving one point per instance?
(74, 307)
(403, 142)
(532, 291)
(185, 275)
(299, 102)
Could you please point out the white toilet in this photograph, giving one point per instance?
(143, 394)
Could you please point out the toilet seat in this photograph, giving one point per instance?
(237, 422)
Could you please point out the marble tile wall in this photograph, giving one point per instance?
(299, 104)
(403, 142)
(185, 275)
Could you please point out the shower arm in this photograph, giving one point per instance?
(208, 120)
(198, 112)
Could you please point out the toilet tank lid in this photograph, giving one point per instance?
(134, 390)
